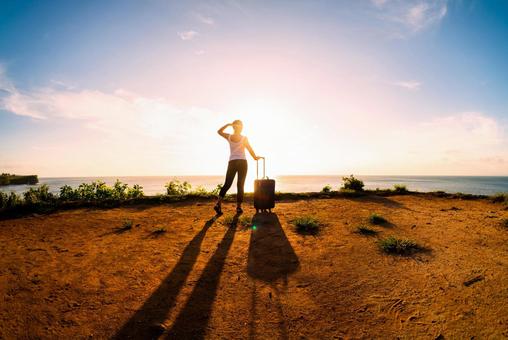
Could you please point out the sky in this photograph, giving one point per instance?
(373, 87)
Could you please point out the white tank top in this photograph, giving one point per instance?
(237, 149)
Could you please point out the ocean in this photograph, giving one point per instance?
(483, 185)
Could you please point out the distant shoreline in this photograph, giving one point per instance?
(153, 185)
(11, 179)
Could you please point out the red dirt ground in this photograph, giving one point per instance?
(75, 274)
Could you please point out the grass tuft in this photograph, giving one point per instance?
(126, 226)
(245, 221)
(400, 246)
(377, 219)
(228, 220)
(364, 230)
(306, 225)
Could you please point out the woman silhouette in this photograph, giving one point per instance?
(237, 163)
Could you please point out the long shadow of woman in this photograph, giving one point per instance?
(271, 259)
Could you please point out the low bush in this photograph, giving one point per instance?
(178, 188)
(9, 201)
(3, 199)
(377, 219)
(37, 195)
(500, 198)
(326, 189)
(13, 200)
(400, 188)
(306, 225)
(400, 246)
(352, 183)
(98, 191)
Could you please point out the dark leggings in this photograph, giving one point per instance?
(234, 166)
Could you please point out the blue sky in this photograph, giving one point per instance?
(365, 87)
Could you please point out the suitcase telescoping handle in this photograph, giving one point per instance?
(257, 168)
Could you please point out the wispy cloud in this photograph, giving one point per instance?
(188, 35)
(411, 15)
(424, 14)
(208, 20)
(118, 112)
(409, 85)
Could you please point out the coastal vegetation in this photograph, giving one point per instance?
(399, 246)
(11, 179)
(352, 183)
(41, 200)
(307, 225)
(500, 198)
(377, 219)
(326, 189)
(400, 188)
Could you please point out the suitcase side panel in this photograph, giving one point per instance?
(264, 193)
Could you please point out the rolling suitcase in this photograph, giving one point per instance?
(264, 191)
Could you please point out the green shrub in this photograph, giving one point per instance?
(102, 191)
(364, 230)
(217, 190)
(326, 189)
(352, 183)
(400, 188)
(99, 191)
(176, 188)
(86, 191)
(38, 195)
(135, 192)
(120, 190)
(13, 200)
(500, 198)
(67, 193)
(3, 199)
(306, 225)
(393, 245)
(377, 219)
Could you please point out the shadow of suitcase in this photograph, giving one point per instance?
(264, 191)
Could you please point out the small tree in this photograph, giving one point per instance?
(326, 189)
(352, 183)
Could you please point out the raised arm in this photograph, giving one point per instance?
(221, 131)
(252, 153)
